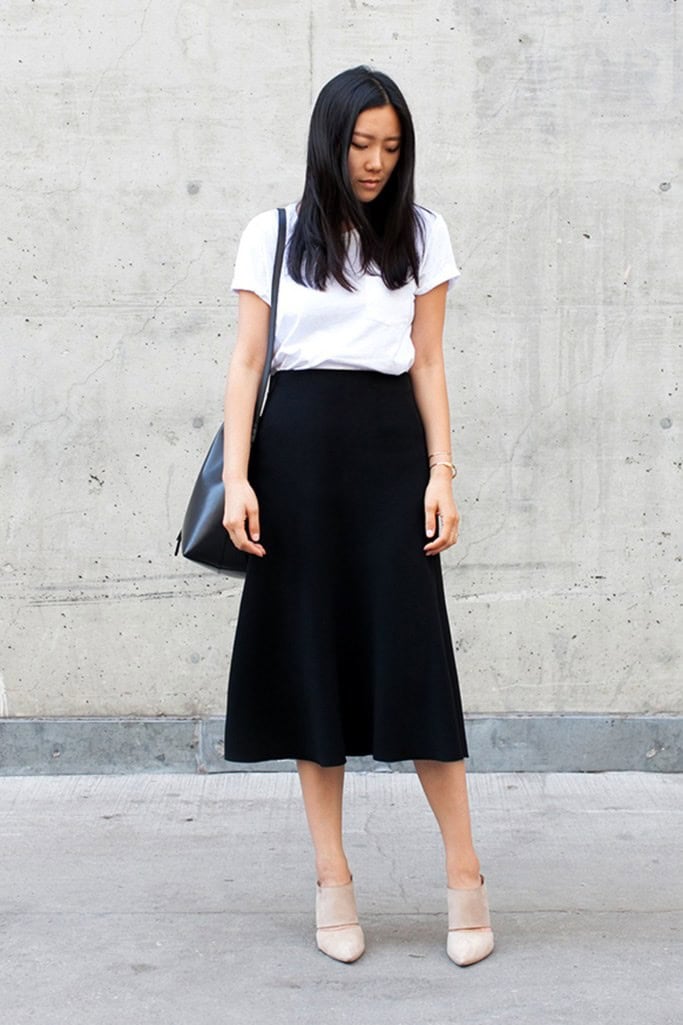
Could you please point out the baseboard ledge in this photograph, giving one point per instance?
(76, 745)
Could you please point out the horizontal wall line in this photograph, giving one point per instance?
(498, 743)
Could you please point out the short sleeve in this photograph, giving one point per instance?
(438, 262)
(253, 270)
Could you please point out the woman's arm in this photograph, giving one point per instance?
(428, 378)
(244, 376)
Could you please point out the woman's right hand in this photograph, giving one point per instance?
(241, 507)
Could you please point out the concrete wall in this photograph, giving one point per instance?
(138, 139)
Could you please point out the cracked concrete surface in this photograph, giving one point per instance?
(184, 899)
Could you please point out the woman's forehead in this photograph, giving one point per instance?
(378, 122)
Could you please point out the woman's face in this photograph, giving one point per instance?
(374, 151)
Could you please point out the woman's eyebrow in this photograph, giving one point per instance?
(387, 138)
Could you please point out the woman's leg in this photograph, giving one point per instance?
(445, 787)
(470, 937)
(338, 932)
(323, 789)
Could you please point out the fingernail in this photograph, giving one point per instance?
(255, 536)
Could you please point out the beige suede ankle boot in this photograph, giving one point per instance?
(467, 911)
(338, 933)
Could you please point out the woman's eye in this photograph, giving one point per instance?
(359, 145)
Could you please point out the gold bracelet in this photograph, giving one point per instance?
(445, 453)
(441, 462)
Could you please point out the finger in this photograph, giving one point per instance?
(238, 536)
(448, 536)
(449, 529)
(253, 549)
(441, 543)
(253, 523)
(431, 522)
(434, 548)
(250, 547)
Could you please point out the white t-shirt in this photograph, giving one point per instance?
(368, 329)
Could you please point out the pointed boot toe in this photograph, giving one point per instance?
(344, 944)
(470, 937)
(338, 933)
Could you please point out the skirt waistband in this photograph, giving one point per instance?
(337, 378)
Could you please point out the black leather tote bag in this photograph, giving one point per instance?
(203, 538)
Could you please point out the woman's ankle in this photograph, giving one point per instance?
(333, 872)
(464, 874)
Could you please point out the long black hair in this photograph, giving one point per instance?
(387, 226)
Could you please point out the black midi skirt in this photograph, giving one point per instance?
(342, 644)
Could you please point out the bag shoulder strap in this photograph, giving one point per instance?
(274, 289)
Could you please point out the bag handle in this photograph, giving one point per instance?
(274, 289)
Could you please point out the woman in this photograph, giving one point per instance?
(342, 645)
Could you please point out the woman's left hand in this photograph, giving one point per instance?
(439, 501)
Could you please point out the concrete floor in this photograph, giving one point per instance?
(183, 899)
